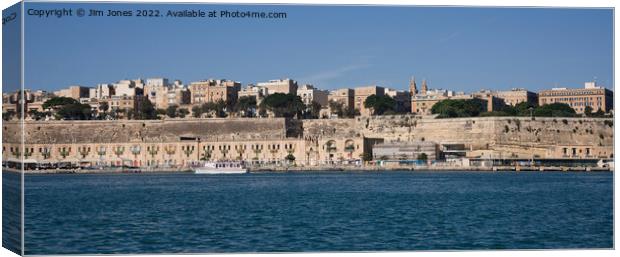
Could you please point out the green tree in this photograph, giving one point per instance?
(75, 111)
(104, 106)
(145, 111)
(197, 111)
(524, 109)
(246, 105)
(103, 109)
(182, 112)
(599, 113)
(68, 108)
(218, 107)
(422, 157)
(351, 112)
(161, 111)
(380, 104)
(8, 115)
(313, 110)
(36, 115)
(452, 108)
(366, 157)
(336, 107)
(57, 102)
(283, 105)
(587, 111)
(290, 157)
(171, 111)
(554, 110)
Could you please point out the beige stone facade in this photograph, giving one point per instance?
(33, 101)
(75, 92)
(402, 98)
(346, 96)
(309, 94)
(517, 95)
(258, 93)
(361, 93)
(594, 96)
(125, 102)
(178, 143)
(422, 103)
(214, 90)
(284, 86)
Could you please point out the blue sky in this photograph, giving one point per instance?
(463, 49)
(11, 43)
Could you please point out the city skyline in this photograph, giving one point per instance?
(419, 82)
(460, 49)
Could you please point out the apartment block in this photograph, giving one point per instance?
(75, 92)
(361, 93)
(284, 86)
(309, 94)
(213, 90)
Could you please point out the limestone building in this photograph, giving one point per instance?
(33, 101)
(317, 142)
(284, 86)
(102, 91)
(361, 93)
(179, 143)
(598, 98)
(258, 93)
(309, 94)
(517, 95)
(345, 96)
(75, 92)
(490, 98)
(128, 88)
(402, 98)
(422, 102)
(123, 102)
(214, 90)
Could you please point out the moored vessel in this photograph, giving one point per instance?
(220, 167)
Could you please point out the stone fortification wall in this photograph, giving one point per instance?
(492, 130)
(330, 128)
(63, 132)
(545, 136)
(510, 136)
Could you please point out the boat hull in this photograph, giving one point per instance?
(219, 171)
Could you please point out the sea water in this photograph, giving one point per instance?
(321, 211)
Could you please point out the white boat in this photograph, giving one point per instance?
(220, 168)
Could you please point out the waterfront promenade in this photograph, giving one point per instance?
(335, 168)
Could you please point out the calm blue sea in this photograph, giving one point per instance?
(172, 213)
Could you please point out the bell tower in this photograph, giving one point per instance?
(424, 87)
(413, 89)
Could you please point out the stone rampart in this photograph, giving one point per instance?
(65, 132)
(516, 137)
